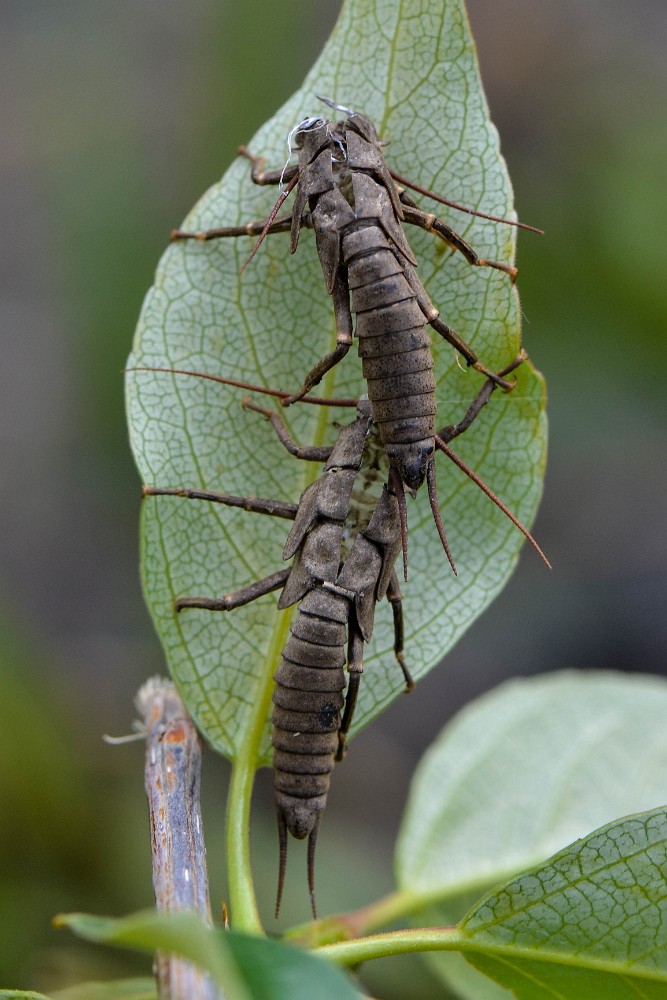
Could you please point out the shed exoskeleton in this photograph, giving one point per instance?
(344, 543)
(347, 194)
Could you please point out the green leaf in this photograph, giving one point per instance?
(275, 971)
(243, 966)
(589, 923)
(415, 74)
(22, 995)
(181, 933)
(518, 774)
(116, 989)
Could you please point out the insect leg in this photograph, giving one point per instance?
(448, 433)
(325, 364)
(343, 316)
(355, 661)
(258, 505)
(306, 452)
(238, 597)
(343, 344)
(355, 666)
(432, 224)
(395, 598)
(452, 431)
(261, 176)
(466, 352)
(281, 224)
(432, 316)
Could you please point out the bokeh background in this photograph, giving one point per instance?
(115, 118)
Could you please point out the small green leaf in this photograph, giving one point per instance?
(243, 966)
(116, 989)
(181, 933)
(415, 73)
(275, 971)
(518, 774)
(22, 995)
(589, 923)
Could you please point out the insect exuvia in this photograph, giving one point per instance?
(344, 542)
(347, 194)
(343, 547)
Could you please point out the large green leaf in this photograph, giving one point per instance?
(589, 923)
(518, 774)
(414, 72)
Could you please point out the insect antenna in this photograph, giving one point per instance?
(433, 499)
(462, 208)
(336, 107)
(267, 225)
(439, 443)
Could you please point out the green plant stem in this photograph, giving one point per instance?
(394, 943)
(242, 901)
(404, 902)
(385, 911)
(359, 923)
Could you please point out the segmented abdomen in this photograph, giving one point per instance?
(395, 350)
(306, 715)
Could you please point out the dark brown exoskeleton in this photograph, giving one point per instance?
(347, 194)
(344, 546)
(344, 542)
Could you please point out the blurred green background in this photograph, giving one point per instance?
(116, 118)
